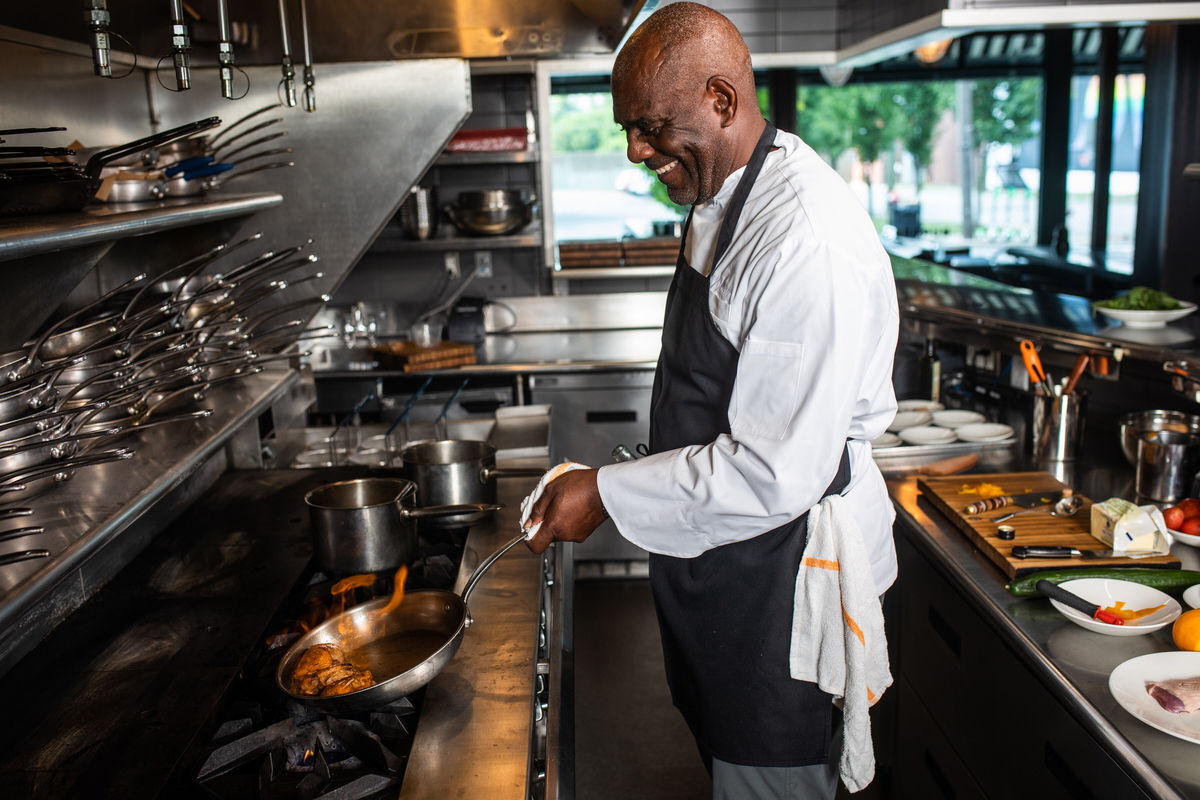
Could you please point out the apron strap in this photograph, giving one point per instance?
(753, 167)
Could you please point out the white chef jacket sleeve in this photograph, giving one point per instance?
(814, 369)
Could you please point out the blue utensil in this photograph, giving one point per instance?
(446, 408)
(412, 401)
(187, 165)
(206, 171)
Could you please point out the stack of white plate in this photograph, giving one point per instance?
(956, 418)
(984, 432)
(927, 434)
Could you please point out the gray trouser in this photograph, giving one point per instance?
(815, 782)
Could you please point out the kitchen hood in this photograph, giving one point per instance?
(355, 30)
(960, 17)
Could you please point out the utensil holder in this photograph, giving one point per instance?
(1057, 426)
(1167, 463)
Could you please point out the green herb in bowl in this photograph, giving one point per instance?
(1142, 298)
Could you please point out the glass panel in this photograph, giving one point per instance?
(1123, 182)
(1081, 159)
(956, 160)
(596, 192)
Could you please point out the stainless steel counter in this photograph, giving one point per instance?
(477, 720)
(1072, 662)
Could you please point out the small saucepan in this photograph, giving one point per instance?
(404, 648)
(368, 524)
(456, 471)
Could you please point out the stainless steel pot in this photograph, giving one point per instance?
(492, 212)
(367, 524)
(404, 648)
(1134, 424)
(456, 471)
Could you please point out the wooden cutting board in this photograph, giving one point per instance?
(409, 357)
(1031, 529)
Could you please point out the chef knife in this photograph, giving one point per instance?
(1051, 551)
(1078, 603)
(1027, 500)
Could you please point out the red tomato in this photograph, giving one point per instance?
(1174, 517)
(1190, 506)
(1191, 526)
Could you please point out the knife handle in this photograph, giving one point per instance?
(1042, 551)
(1078, 603)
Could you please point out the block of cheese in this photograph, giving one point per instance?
(1129, 529)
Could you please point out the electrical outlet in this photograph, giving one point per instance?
(450, 260)
(483, 263)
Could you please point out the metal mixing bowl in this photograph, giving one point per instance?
(1135, 424)
(491, 212)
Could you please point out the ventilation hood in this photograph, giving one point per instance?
(966, 16)
(356, 30)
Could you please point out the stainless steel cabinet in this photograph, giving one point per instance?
(593, 413)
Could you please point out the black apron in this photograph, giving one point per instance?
(726, 615)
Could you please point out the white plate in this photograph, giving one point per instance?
(1128, 686)
(927, 434)
(956, 418)
(984, 432)
(1191, 596)
(1106, 592)
(1147, 319)
(919, 405)
(886, 440)
(909, 419)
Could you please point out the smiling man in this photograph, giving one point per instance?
(774, 375)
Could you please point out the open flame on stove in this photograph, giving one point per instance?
(376, 622)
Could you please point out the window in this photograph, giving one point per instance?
(597, 192)
(957, 158)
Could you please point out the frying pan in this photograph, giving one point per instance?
(404, 649)
(71, 189)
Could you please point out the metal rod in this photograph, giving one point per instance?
(95, 14)
(225, 50)
(181, 45)
(310, 95)
(289, 69)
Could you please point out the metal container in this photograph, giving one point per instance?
(367, 525)
(1135, 424)
(1167, 463)
(1057, 427)
(419, 213)
(456, 471)
(492, 212)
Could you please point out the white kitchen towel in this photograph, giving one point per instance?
(837, 631)
(527, 503)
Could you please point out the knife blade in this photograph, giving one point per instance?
(1027, 500)
(1075, 601)
(1051, 551)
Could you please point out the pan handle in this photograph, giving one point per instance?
(483, 567)
(491, 473)
(23, 555)
(448, 511)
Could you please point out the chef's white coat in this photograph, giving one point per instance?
(805, 293)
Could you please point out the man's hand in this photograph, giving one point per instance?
(569, 510)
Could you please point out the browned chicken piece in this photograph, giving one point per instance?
(306, 674)
(362, 679)
(338, 672)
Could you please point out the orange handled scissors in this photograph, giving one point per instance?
(1033, 365)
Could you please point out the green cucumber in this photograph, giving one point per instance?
(1165, 580)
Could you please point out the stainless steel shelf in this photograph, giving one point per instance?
(608, 273)
(97, 521)
(97, 224)
(472, 159)
(390, 241)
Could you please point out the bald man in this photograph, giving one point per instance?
(774, 375)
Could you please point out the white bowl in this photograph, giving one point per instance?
(927, 434)
(1191, 596)
(919, 405)
(956, 418)
(909, 419)
(1147, 319)
(1105, 592)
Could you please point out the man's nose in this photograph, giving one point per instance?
(637, 150)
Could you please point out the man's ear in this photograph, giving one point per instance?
(724, 99)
